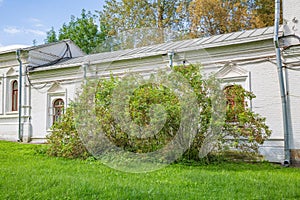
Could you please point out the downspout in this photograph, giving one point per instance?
(20, 137)
(171, 56)
(287, 156)
(250, 89)
(288, 102)
(85, 66)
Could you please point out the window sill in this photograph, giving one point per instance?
(49, 130)
(9, 117)
(12, 113)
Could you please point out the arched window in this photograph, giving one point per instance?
(58, 109)
(14, 96)
(235, 102)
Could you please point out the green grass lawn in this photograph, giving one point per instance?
(27, 175)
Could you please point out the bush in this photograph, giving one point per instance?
(244, 130)
(245, 133)
(64, 140)
(139, 109)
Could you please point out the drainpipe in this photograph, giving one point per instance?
(288, 102)
(20, 95)
(287, 156)
(171, 56)
(85, 66)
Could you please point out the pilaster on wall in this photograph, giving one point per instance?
(26, 108)
(291, 33)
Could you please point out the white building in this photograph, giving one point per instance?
(52, 72)
(10, 88)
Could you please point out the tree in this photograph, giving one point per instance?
(212, 17)
(135, 23)
(122, 19)
(51, 36)
(83, 31)
(124, 15)
(168, 13)
(263, 13)
(34, 42)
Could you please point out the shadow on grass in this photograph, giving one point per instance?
(210, 163)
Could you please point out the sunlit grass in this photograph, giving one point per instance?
(27, 175)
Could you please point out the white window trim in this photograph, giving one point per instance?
(8, 106)
(2, 96)
(51, 97)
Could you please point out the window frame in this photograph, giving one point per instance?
(232, 104)
(14, 95)
(57, 109)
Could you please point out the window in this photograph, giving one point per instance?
(58, 109)
(235, 102)
(14, 96)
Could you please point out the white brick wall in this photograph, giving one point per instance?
(294, 94)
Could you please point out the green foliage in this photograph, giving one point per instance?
(200, 87)
(192, 18)
(139, 109)
(51, 36)
(64, 140)
(244, 130)
(132, 14)
(137, 23)
(84, 32)
(263, 13)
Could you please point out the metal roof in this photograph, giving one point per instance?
(178, 46)
(13, 48)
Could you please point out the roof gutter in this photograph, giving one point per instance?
(287, 156)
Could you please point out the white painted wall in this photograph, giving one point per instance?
(265, 86)
(291, 16)
(1, 94)
(8, 119)
(294, 95)
(57, 86)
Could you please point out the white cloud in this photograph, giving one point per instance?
(14, 30)
(39, 25)
(35, 22)
(35, 32)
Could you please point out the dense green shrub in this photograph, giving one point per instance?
(245, 132)
(64, 140)
(139, 109)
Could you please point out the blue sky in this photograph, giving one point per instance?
(22, 21)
